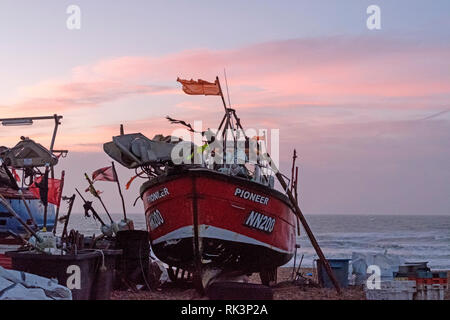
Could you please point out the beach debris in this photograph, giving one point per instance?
(17, 285)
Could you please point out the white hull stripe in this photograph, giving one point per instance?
(214, 233)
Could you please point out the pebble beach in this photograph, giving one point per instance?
(285, 289)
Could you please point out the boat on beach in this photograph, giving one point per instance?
(212, 217)
(222, 221)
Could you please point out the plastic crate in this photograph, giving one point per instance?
(392, 290)
(431, 292)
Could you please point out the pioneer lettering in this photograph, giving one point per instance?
(158, 195)
(260, 221)
(247, 195)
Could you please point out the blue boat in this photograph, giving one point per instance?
(10, 227)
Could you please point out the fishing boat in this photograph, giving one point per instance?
(210, 216)
(23, 170)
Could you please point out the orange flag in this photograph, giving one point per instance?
(200, 87)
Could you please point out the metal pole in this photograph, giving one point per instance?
(45, 181)
(55, 130)
(294, 157)
(69, 211)
(120, 191)
(52, 144)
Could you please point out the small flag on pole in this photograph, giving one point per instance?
(104, 174)
(200, 87)
(128, 185)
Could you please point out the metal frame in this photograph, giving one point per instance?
(55, 117)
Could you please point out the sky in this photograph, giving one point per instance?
(368, 111)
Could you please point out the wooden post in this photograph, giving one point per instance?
(306, 226)
(45, 181)
(294, 157)
(69, 211)
(296, 183)
(120, 191)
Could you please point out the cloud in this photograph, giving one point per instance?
(58, 96)
(357, 71)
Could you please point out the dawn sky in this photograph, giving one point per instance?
(367, 110)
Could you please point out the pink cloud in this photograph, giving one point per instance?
(331, 73)
(299, 71)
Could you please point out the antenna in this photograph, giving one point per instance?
(226, 83)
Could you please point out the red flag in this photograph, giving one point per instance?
(16, 176)
(54, 190)
(104, 174)
(200, 87)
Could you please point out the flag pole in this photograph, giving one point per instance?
(45, 181)
(226, 83)
(221, 95)
(302, 219)
(95, 193)
(120, 191)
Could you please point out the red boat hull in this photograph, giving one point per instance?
(201, 216)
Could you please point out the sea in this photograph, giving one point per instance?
(411, 238)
